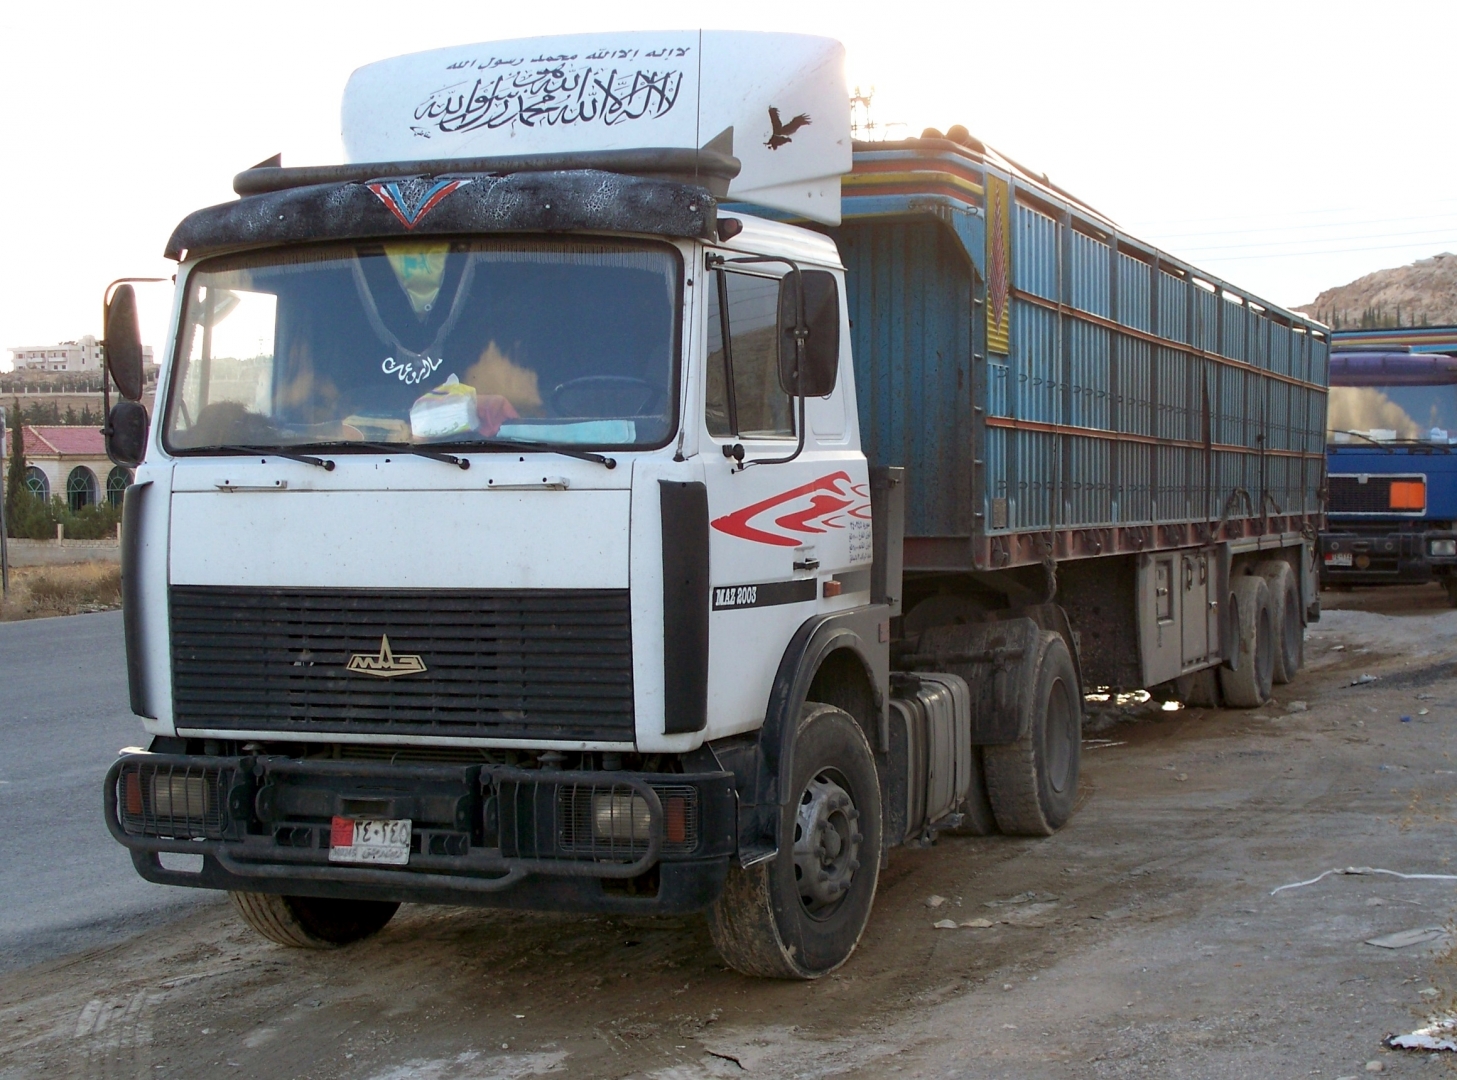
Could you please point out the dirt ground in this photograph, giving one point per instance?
(1142, 940)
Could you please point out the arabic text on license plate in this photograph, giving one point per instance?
(370, 841)
(1338, 558)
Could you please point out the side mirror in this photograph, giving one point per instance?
(821, 361)
(124, 344)
(126, 433)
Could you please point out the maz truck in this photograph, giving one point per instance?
(613, 489)
(1392, 477)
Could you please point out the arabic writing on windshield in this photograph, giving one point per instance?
(567, 343)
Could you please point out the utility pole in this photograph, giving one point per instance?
(4, 547)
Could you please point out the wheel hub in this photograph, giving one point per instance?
(826, 843)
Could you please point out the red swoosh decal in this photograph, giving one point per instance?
(827, 496)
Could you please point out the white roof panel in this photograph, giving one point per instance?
(781, 98)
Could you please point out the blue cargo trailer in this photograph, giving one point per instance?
(1392, 474)
(1081, 416)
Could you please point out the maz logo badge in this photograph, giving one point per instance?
(385, 664)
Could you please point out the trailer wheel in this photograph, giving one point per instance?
(1249, 685)
(310, 922)
(800, 914)
(1288, 627)
(1034, 781)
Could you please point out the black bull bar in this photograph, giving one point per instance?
(482, 834)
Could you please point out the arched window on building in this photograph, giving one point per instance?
(116, 484)
(80, 488)
(36, 481)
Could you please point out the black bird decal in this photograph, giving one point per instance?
(782, 132)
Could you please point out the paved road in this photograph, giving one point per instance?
(64, 883)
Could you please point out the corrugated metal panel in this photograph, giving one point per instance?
(909, 290)
(1089, 375)
(1035, 485)
(1036, 364)
(1088, 275)
(1134, 496)
(1206, 319)
(1034, 252)
(1234, 343)
(1134, 381)
(1135, 304)
(1173, 308)
(999, 397)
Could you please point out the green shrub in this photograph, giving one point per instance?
(33, 519)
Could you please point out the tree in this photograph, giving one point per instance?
(15, 475)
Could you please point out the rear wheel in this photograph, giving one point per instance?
(1033, 783)
(1288, 627)
(800, 914)
(310, 922)
(1248, 684)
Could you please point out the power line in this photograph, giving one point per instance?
(1327, 240)
(1295, 228)
(1333, 251)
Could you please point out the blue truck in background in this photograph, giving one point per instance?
(1391, 468)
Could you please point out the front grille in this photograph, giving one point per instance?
(528, 664)
(180, 801)
(1348, 495)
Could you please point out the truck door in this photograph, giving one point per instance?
(788, 538)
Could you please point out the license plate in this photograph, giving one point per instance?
(354, 840)
(1338, 558)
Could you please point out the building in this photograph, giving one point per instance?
(69, 463)
(85, 354)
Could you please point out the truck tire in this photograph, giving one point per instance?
(1034, 781)
(1289, 628)
(800, 914)
(310, 922)
(1248, 686)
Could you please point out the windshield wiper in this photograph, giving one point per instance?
(273, 451)
(545, 447)
(392, 448)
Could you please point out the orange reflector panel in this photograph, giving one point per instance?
(133, 785)
(675, 813)
(1408, 495)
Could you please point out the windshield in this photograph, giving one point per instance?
(567, 343)
(1387, 413)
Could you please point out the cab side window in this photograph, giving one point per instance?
(744, 396)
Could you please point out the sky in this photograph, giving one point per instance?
(1285, 147)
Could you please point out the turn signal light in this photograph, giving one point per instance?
(1408, 495)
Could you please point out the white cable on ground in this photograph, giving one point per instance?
(1359, 870)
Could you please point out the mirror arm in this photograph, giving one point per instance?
(801, 331)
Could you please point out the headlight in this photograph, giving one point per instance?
(1443, 547)
(179, 796)
(621, 817)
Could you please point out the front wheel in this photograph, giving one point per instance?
(800, 914)
(310, 922)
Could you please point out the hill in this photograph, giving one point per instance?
(1423, 293)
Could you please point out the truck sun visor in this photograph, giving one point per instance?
(454, 204)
